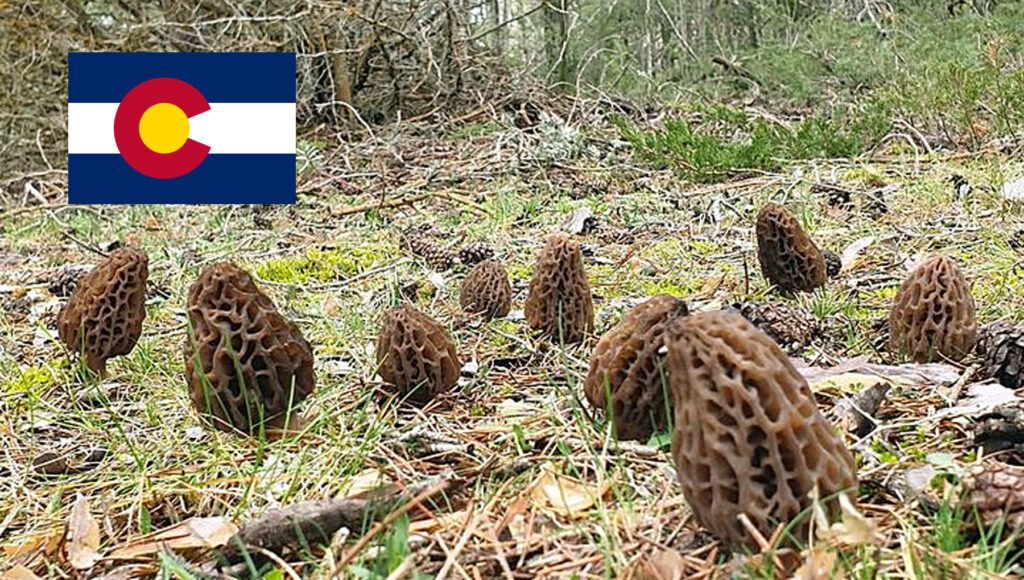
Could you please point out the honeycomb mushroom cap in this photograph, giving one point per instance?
(416, 355)
(487, 290)
(749, 438)
(559, 303)
(103, 317)
(246, 365)
(789, 258)
(628, 364)
(933, 314)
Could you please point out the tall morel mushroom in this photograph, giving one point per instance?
(628, 367)
(103, 317)
(789, 258)
(933, 315)
(749, 438)
(416, 355)
(486, 290)
(247, 366)
(559, 302)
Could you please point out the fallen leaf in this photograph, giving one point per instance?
(83, 538)
(852, 252)
(818, 566)
(927, 374)
(847, 383)
(1013, 190)
(190, 534)
(563, 495)
(362, 482)
(980, 398)
(661, 565)
(18, 573)
(580, 221)
(853, 529)
(919, 478)
(48, 542)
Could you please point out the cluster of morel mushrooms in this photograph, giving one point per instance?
(748, 436)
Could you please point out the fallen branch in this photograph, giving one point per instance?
(316, 521)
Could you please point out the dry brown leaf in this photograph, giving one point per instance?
(363, 481)
(18, 573)
(853, 529)
(661, 565)
(83, 538)
(563, 495)
(847, 383)
(818, 566)
(47, 541)
(189, 534)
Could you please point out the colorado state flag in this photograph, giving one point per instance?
(181, 128)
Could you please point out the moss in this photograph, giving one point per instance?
(317, 265)
(671, 287)
(34, 380)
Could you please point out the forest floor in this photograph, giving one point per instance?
(525, 478)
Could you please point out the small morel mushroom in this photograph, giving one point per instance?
(1001, 346)
(933, 315)
(559, 303)
(486, 290)
(789, 258)
(416, 355)
(749, 438)
(103, 317)
(247, 366)
(628, 366)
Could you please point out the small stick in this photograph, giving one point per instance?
(381, 204)
(361, 544)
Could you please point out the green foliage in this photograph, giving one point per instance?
(725, 141)
(34, 380)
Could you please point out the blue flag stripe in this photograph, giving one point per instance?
(222, 77)
(224, 178)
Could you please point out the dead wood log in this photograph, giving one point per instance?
(316, 521)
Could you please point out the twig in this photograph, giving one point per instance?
(414, 502)
(382, 204)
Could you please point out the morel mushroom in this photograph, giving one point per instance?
(789, 258)
(628, 367)
(486, 290)
(247, 366)
(559, 303)
(749, 438)
(416, 355)
(933, 315)
(103, 318)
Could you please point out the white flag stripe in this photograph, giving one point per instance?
(226, 128)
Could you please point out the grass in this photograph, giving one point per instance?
(521, 420)
(718, 141)
(518, 418)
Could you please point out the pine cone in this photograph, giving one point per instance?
(1001, 346)
(421, 243)
(473, 254)
(833, 263)
(996, 491)
(791, 328)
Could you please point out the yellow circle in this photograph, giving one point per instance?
(164, 128)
